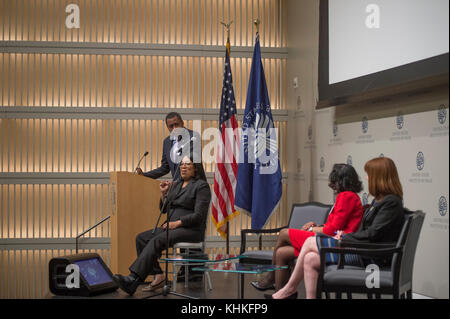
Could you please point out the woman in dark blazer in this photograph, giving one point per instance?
(382, 222)
(187, 210)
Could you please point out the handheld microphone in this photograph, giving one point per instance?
(145, 154)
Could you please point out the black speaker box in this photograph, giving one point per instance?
(80, 275)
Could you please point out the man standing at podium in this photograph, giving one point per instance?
(173, 146)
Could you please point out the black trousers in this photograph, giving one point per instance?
(150, 246)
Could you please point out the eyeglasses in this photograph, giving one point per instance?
(186, 163)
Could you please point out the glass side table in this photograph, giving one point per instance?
(234, 266)
(218, 260)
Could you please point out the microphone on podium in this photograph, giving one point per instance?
(145, 154)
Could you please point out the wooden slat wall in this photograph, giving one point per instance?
(144, 21)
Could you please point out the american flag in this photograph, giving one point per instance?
(226, 156)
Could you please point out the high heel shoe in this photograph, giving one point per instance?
(153, 286)
(293, 296)
(262, 287)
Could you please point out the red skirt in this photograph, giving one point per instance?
(298, 238)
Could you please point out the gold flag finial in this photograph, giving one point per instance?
(227, 26)
(257, 22)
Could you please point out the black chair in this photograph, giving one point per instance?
(300, 215)
(395, 279)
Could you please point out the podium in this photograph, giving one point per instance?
(135, 209)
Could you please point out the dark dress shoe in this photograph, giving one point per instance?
(293, 296)
(128, 284)
(260, 287)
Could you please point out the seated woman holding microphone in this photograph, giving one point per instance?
(189, 203)
(382, 222)
(345, 215)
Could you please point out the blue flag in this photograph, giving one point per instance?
(258, 187)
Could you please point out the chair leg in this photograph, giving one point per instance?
(208, 280)
(327, 295)
(174, 275)
(369, 296)
(409, 294)
(338, 295)
(186, 271)
(377, 296)
(349, 295)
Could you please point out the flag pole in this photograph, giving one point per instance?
(227, 27)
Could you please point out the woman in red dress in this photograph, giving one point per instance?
(345, 215)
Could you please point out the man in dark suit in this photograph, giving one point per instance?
(181, 141)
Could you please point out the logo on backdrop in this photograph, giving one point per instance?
(299, 165)
(310, 132)
(365, 124)
(335, 129)
(365, 199)
(400, 120)
(443, 207)
(310, 143)
(440, 223)
(381, 155)
(349, 160)
(400, 134)
(335, 140)
(421, 176)
(322, 164)
(441, 129)
(420, 161)
(299, 176)
(442, 114)
(365, 138)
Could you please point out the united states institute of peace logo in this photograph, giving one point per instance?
(381, 155)
(349, 160)
(299, 165)
(400, 120)
(335, 129)
(365, 124)
(420, 161)
(442, 114)
(365, 199)
(443, 208)
(310, 132)
(322, 164)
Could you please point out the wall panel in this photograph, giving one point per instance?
(121, 81)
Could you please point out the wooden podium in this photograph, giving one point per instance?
(135, 209)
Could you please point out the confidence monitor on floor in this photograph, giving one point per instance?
(80, 275)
